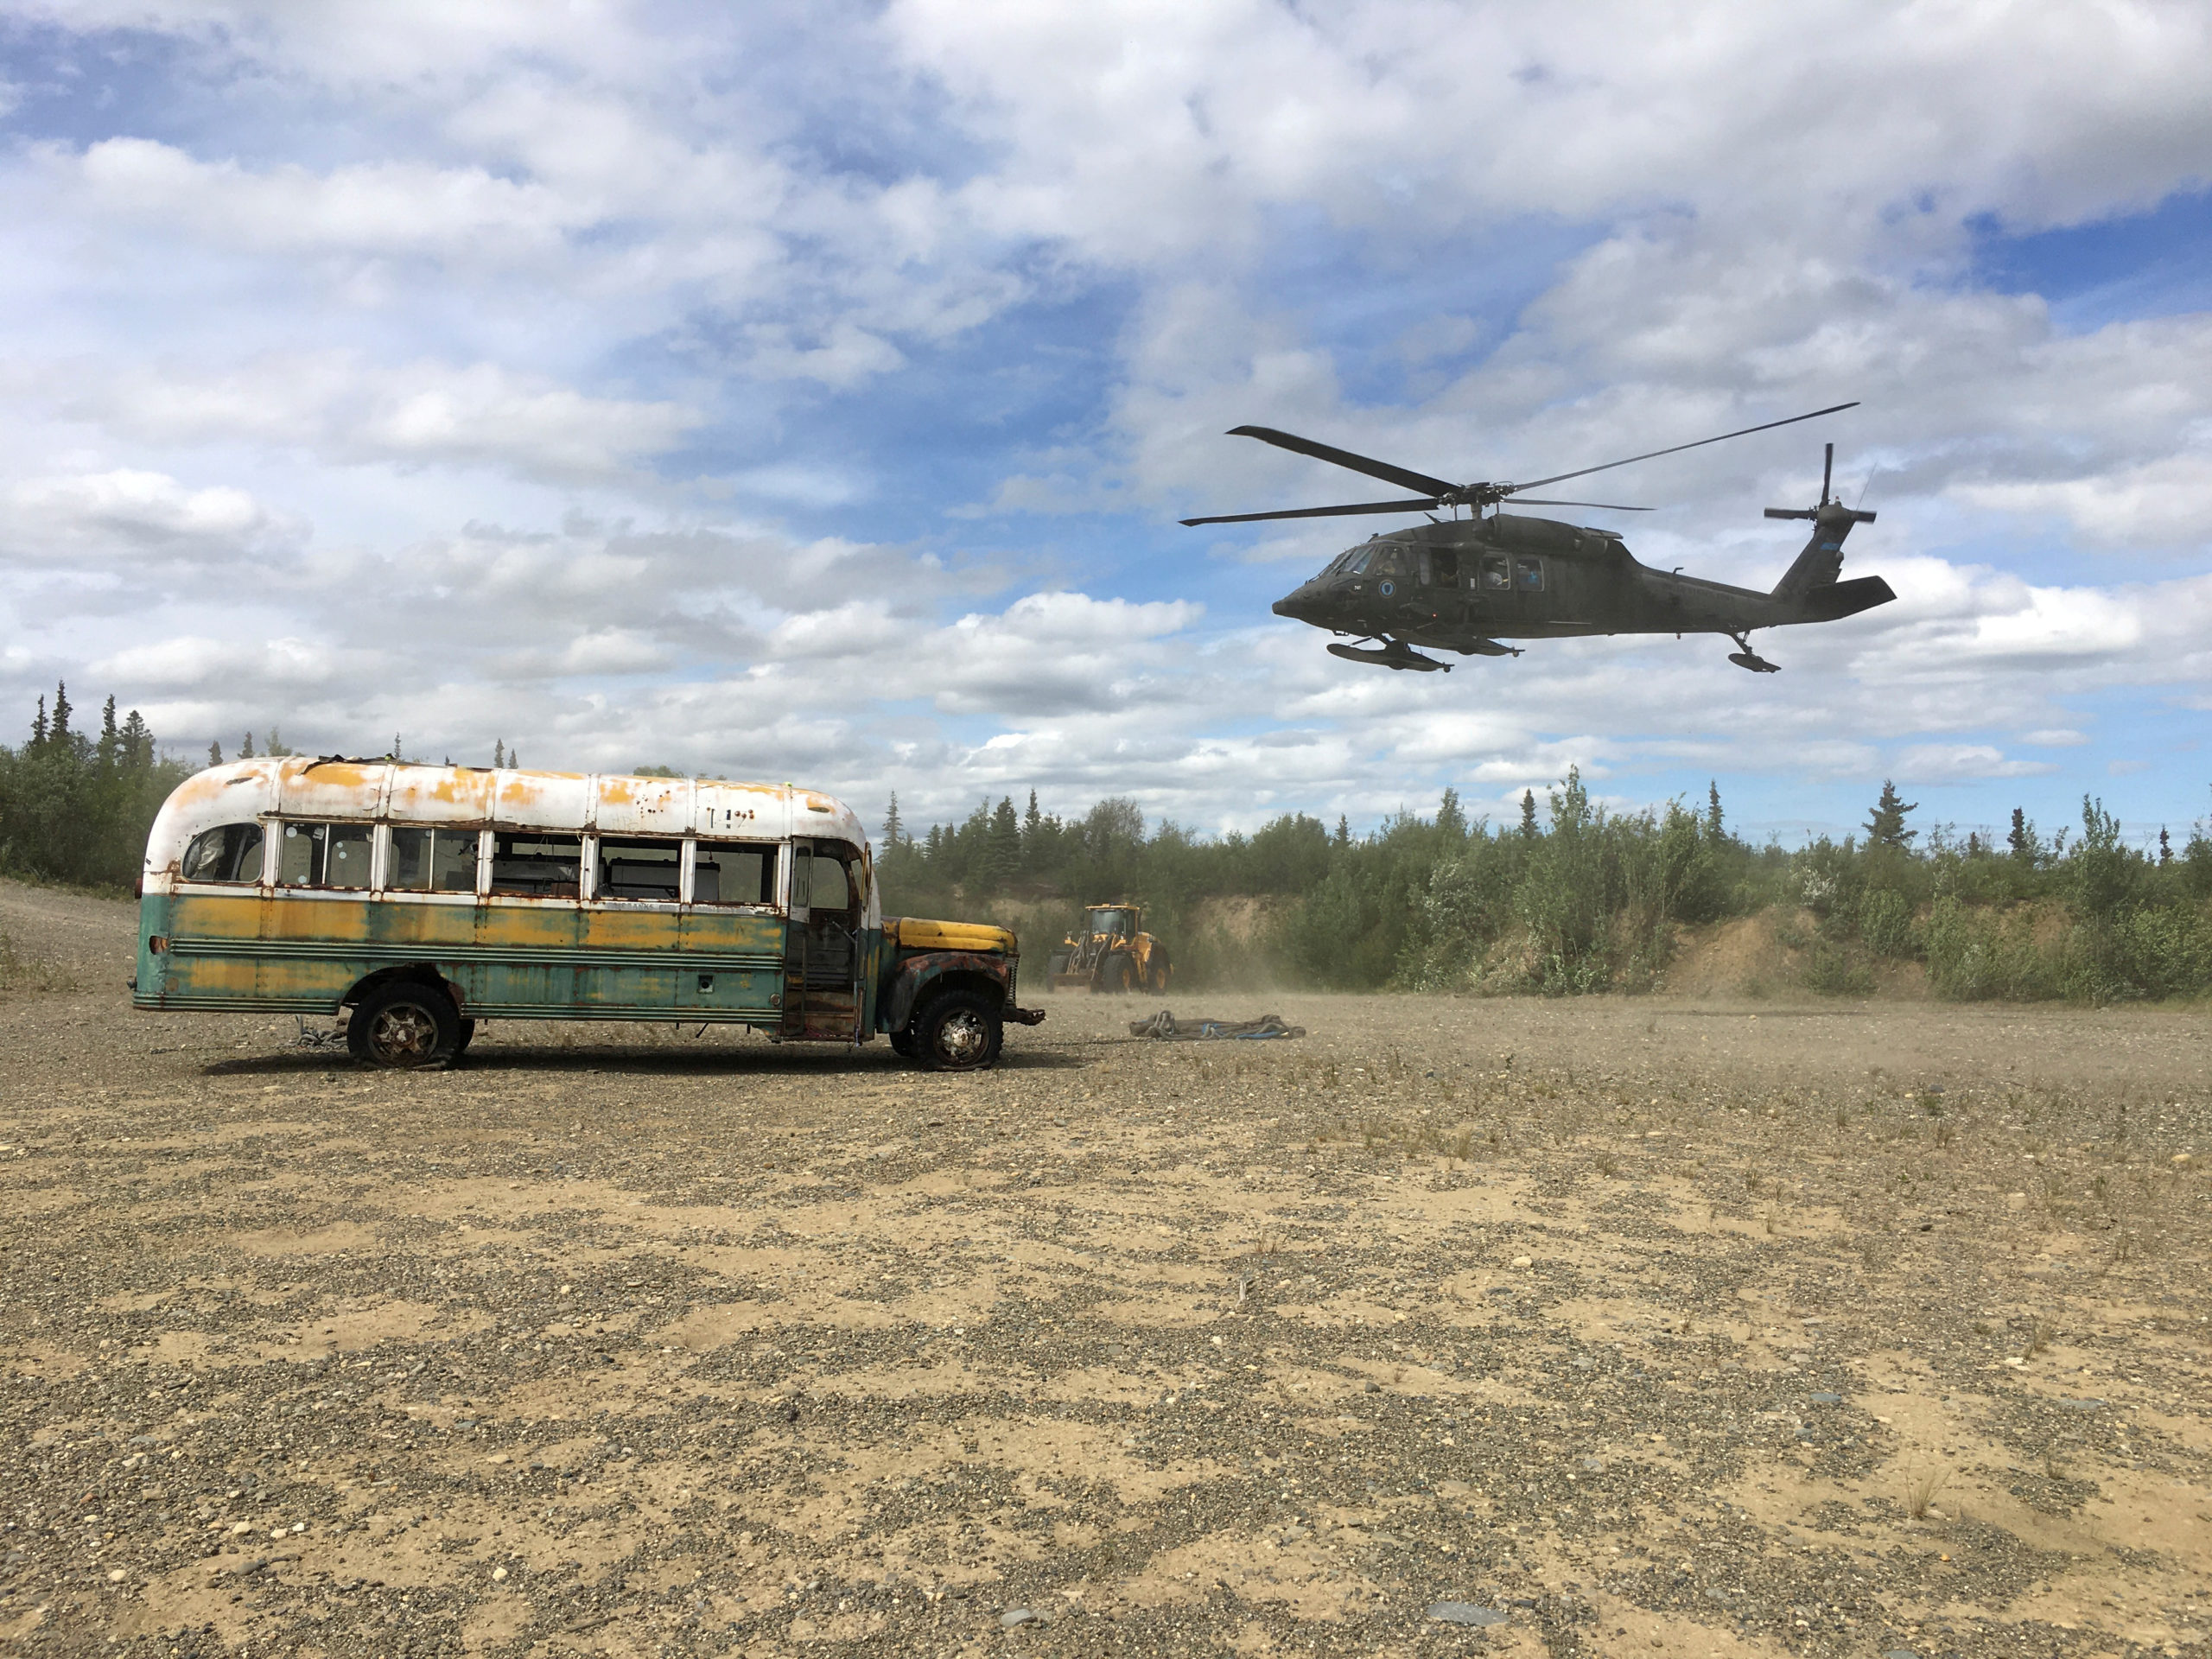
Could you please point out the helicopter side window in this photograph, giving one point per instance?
(1355, 563)
(1528, 575)
(1387, 562)
(1497, 575)
(1444, 566)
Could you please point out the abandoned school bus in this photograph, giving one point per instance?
(419, 899)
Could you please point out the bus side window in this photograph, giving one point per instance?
(432, 861)
(639, 870)
(230, 855)
(347, 866)
(325, 856)
(528, 864)
(301, 854)
(733, 872)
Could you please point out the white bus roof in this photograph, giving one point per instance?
(612, 803)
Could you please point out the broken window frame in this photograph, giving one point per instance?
(556, 887)
(770, 851)
(600, 885)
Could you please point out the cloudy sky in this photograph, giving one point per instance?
(810, 391)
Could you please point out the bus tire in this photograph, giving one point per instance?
(902, 1044)
(959, 1031)
(404, 1024)
(468, 1035)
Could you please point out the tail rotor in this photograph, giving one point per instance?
(1829, 507)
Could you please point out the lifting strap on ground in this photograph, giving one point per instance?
(1163, 1027)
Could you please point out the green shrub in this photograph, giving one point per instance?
(1886, 922)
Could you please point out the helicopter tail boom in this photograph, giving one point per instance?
(1837, 600)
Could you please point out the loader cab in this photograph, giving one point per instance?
(1113, 921)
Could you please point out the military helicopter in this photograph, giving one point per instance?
(1462, 584)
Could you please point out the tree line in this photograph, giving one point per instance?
(1570, 897)
(1565, 898)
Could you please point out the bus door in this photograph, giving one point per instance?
(822, 942)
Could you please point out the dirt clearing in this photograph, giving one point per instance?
(1597, 1327)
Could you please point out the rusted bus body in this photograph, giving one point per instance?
(307, 885)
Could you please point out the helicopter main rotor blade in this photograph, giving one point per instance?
(1653, 454)
(1421, 503)
(1546, 501)
(1382, 469)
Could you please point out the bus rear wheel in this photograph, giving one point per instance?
(960, 1030)
(404, 1024)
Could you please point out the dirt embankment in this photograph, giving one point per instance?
(1601, 1327)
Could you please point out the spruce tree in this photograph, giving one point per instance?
(214, 752)
(58, 732)
(1451, 821)
(1001, 857)
(110, 745)
(38, 725)
(2022, 842)
(894, 831)
(2165, 847)
(1885, 825)
(1344, 830)
(1713, 822)
(1528, 815)
(499, 752)
(246, 746)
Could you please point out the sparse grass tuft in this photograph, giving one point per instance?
(1920, 1491)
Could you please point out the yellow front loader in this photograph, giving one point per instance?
(1109, 952)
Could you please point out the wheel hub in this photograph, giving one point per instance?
(961, 1039)
(403, 1034)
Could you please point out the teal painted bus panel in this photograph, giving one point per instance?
(733, 965)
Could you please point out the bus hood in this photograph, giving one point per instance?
(910, 934)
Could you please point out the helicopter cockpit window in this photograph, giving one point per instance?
(1497, 575)
(1356, 561)
(1387, 562)
(1528, 575)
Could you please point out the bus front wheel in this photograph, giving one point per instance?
(960, 1030)
(404, 1024)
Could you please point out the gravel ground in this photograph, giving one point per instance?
(1596, 1328)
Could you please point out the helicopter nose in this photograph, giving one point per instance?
(1298, 605)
